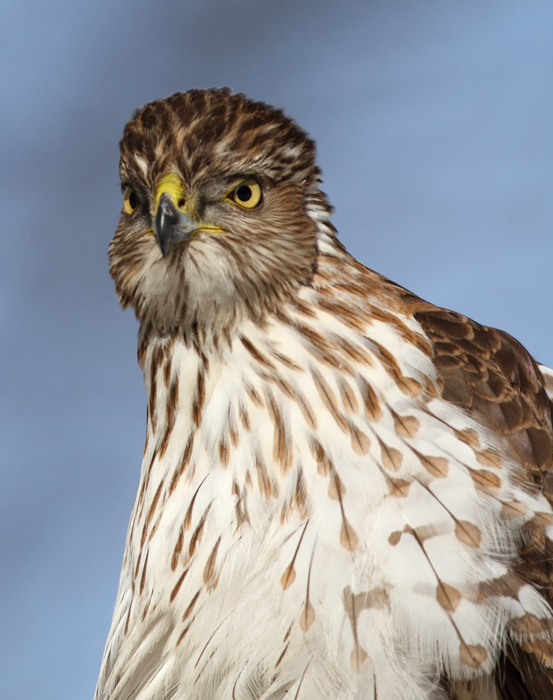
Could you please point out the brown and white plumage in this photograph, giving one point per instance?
(346, 491)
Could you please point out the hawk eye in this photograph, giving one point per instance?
(130, 200)
(247, 194)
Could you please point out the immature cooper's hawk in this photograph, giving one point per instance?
(345, 490)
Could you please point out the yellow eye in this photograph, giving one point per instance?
(247, 194)
(130, 200)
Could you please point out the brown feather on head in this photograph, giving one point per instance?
(215, 225)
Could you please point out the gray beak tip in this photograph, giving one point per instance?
(171, 225)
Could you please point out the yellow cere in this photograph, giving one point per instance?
(171, 185)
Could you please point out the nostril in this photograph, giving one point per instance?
(180, 203)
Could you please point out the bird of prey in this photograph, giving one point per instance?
(346, 491)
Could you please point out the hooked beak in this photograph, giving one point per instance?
(172, 224)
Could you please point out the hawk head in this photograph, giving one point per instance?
(217, 223)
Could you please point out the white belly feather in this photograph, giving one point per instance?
(298, 534)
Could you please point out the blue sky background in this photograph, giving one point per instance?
(434, 126)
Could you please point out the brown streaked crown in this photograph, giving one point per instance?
(202, 128)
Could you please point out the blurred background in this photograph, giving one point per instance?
(434, 126)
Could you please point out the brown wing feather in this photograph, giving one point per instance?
(492, 377)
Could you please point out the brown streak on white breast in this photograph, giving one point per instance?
(178, 549)
(151, 512)
(373, 410)
(177, 586)
(185, 460)
(170, 414)
(405, 426)
(197, 534)
(281, 452)
(329, 399)
(209, 569)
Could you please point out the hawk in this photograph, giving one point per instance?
(346, 491)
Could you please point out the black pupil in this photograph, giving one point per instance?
(133, 200)
(244, 193)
